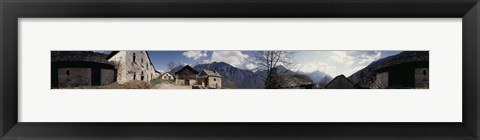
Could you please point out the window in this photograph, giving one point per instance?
(424, 72)
(214, 79)
(141, 60)
(67, 72)
(134, 76)
(134, 57)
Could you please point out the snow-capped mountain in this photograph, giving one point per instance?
(320, 77)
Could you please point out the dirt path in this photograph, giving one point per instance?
(170, 86)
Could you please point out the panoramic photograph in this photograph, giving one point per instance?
(199, 69)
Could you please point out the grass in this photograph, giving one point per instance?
(161, 81)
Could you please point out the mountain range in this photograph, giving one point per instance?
(233, 77)
(320, 77)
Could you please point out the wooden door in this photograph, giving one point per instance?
(96, 76)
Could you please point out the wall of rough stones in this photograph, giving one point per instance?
(77, 77)
(421, 78)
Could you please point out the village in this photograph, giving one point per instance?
(123, 69)
(135, 70)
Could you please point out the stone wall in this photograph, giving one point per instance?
(421, 78)
(182, 82)
(119, 61)
(107, 76)
(156, 75)
(167, 77)
(133, 65)
(381, 81)
(214, 82)
(76, 77)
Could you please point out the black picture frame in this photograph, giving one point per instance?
(11, 10)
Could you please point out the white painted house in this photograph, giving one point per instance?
(167, 76)
(132, 65)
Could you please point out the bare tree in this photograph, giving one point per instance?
(171, 65)
(269, 61)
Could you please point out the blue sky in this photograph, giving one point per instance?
(331, 62)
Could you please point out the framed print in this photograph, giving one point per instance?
(239, 69)
(299, 80)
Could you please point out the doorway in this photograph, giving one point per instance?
(96, 74)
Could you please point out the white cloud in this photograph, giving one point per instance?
(234, 58)
(161, 71)
(353, 70)
(251, 66)
(311, 67)
(195, 54)
(355, 58)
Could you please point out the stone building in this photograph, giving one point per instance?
(132, 65)
(167, 76)
(80, 68)
(381, 80)
(209, 79)
(340, 82)
(407, 69)
(404, 75)
(292, 81)
(157, 75)
(421, 78)
(186, 76)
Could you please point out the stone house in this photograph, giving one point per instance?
(293, 81)
(340, 82)
(157, 75)
(186, 76)
(421, 78)
(404, 75)
(80, 68)
(167, 76)
(132, 65)
(210, 79)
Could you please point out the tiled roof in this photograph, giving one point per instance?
(189, 68)
(89, 56)
(211, 73)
